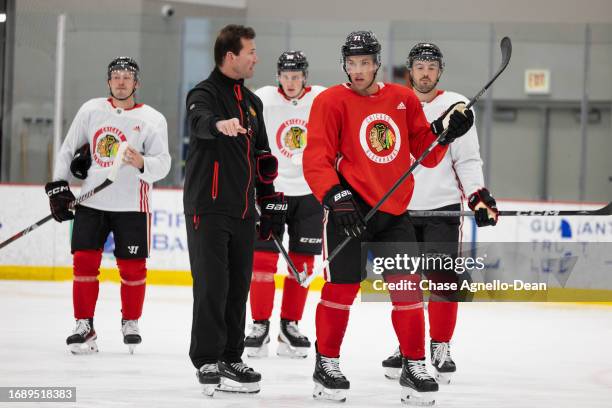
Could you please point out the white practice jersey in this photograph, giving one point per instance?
(104, 126)
(287, 128)
(459, 174)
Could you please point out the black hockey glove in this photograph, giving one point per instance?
(343, 210)
(273, 216)
(267, 168)
(458, 121)
(81, 162)
(60, 198)
(482, 213)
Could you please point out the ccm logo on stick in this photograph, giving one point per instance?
(544, 212)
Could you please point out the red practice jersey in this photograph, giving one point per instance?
(368, 140)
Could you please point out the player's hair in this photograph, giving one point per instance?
(228, 40)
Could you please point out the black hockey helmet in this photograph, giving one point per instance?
(425, 52)
(292, 61)
(361, 43)
(123, 64)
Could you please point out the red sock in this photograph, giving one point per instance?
(133, 274)
(409, 323)
(85, 284)
(408, 317)
(332, 316)
(442, 320)
(294, 294)
(262, 284)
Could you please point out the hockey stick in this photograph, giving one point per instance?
(607, 210)
(506, 52)
(112, 175)
(300, 276)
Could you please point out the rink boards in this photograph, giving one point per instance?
(44, 254)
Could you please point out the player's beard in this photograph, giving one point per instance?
(425, 88)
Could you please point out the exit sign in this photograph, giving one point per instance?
(537, 81)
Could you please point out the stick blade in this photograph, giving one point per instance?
(506, 50)
(112, 175)
(607, 210)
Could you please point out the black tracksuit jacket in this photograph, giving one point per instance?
(221, 175)
(219, 198)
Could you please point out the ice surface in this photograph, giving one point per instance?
(508, 355)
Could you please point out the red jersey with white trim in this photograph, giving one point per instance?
(287, 128)
(102, 125)
(460, 171)
(368, 140)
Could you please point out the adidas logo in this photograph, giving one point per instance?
(401, 106)
(136, 128)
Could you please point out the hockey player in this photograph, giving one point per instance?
(286, 110)
(123, 208)
(361, 136)
(442, 188)
(228, 165)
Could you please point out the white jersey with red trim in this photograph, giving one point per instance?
(102, 125)
(287, 127)
(459, 174)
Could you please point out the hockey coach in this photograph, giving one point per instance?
(229, 167)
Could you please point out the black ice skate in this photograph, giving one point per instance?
(292, 343)
(208, 375)
(238, 377)
(131, 334)
(442, 361)
(418, 387)
(330, 383)
(83, 338)
(393, 365)
(256, 343)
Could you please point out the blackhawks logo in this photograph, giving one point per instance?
(291, 137)
(106, 141)
(380, 138)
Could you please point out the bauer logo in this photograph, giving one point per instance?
(342, 194)
(380, 138)
(276, 207)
